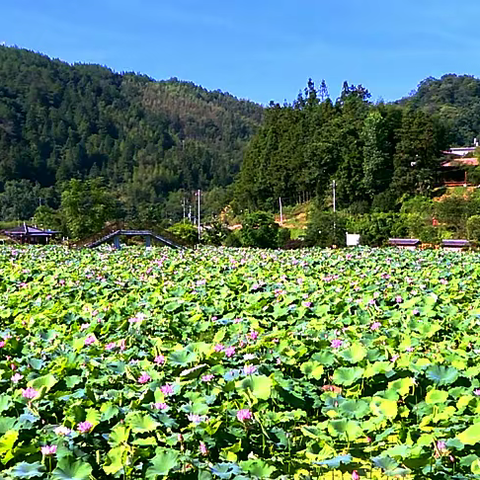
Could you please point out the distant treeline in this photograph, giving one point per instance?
(152, 142)
(376, 153)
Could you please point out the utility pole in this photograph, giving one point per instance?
(334, 184)
(281, 210)
(199, 194)
(334, 197)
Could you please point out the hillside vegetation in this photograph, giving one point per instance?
(150, 140)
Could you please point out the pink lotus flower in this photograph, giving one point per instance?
(244, 415)
(355, 475)
(203, 449)
(29, 393)
(62, 431)
(160, 406)
(84, 326)
(307, 304)
(249, 369)
(49, 450)
(196, 418)
(398, 299)
(159, 359)
(90, 339)
(84, 427)
(336, 343)
(219, 347)
(208, 378)
(441, 445)
(253, 335)
(415, 312)
(110, 346)
(375, 326)
(144, 378)
(167, 390)
(16, 378)
(230, 352)
(2, 343)
(477, 392)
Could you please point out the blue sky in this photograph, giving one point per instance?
(262, 50)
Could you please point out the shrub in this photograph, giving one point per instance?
(185, 231)
(233, 239)
(473, 228)
(284, 236)
(377, 228)
(259, 230)
(326, 229)
(215, 234)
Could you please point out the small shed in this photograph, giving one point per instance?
(406, 243)
(30, 235)
(455, 245)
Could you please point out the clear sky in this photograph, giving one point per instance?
(258, 49)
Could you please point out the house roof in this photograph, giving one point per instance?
(28, 230)
(461, 162)
(459, 151)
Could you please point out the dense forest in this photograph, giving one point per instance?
(152, 143)
(136, 149)
(455, 101)
(378, 154)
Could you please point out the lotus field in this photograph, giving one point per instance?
(238, 364)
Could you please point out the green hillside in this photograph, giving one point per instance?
(153, 142)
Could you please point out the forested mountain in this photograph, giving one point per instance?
(152, 142)
(455, 101)
(377, 154)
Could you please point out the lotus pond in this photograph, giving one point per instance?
(238, 364)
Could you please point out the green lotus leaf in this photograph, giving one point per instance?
(442, 375)
(182, 357)
(27, 470)
(226, 470)
(116, 460)
(7, 442)
(119, 435)
(354, 408)
(69, 470)
(354, 354)
(389, 465)
(5, 402)
(162, 463)
(108, 410)
(336, 461)
(345, 428)
(468, 460)
(436, 396)
(6, 424)
(347, 375)
(312, 369)
(325, 358)
(258, 468)
(384, 407)
(140, 423)
(47, 382)
(402, 386)
(471, 435)
(259, 386)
